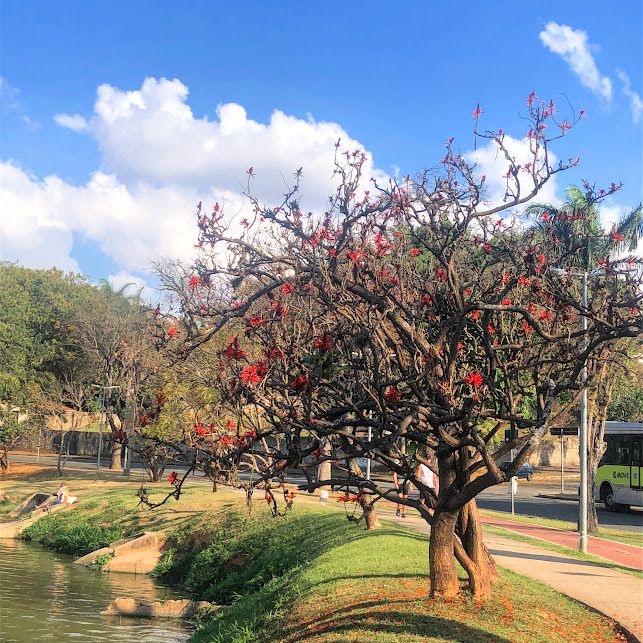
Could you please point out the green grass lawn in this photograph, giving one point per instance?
(309, 576)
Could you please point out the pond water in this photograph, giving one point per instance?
(44, 596)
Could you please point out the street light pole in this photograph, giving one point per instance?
(582, 437)
(583, 433)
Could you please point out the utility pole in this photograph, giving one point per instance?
(583, 431)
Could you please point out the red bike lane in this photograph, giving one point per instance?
(616, 552)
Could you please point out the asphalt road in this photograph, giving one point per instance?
(526, 501)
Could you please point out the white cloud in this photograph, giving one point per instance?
(492, 164)
(9, 96)
(9, 93)
(74, 122)
(134, 226)
(152, 135)
(572, 46)
(636, 103)
(160, 161)
(28, 231)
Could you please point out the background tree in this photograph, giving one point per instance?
(36, 307)
(113, 330)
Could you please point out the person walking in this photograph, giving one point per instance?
(424, 475)
(402, 488)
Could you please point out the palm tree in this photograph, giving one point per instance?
(581, 239)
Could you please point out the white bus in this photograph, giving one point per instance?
(618, 477)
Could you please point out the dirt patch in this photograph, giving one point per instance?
(32, 472)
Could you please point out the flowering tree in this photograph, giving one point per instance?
(411, 309)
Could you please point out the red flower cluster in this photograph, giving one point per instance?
(505, 302)
(254, 373)
(201, 430)
(392, 394)
(300, 383)
(324, 343)
(171, 331)
(415, 252)
(356, 256)
(475, 379)
(527, 329)
(144, 420)
(256, 322)
(194, 282)
(287, 288)
(173, 477)
(233, 351)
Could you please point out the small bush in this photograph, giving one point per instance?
(100, 561)
(69, 534)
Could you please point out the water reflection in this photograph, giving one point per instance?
(44, 596)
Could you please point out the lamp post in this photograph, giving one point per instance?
(582, 433)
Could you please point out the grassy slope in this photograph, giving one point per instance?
(312, 575)
(373, 586)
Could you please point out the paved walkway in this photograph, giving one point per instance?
(614, 593)
(620, 553)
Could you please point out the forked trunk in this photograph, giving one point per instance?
(474, 556)
(444, 580)
(155, 468)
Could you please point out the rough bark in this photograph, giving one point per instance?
(479, 564)
(444, 580)
(117, 451)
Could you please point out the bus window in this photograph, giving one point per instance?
(622, 451)
(636, 453)
(610, 451)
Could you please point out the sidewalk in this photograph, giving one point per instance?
(616, 594)
(619, 553)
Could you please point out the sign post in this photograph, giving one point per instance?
(563, 431)
(513, 490)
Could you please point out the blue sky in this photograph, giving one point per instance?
(398, 80)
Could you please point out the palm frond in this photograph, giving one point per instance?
(630, 227)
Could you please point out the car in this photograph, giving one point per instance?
(526, 471)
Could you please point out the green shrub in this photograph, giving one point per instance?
(71, 534)
(100, 561)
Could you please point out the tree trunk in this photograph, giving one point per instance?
(60, 464)
(155, 468)
(480, 566)
(592, 516)
(444, 580)
(4, 460)
(370, 515)
(117, 450)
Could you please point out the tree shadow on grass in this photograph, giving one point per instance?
(386, 617)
